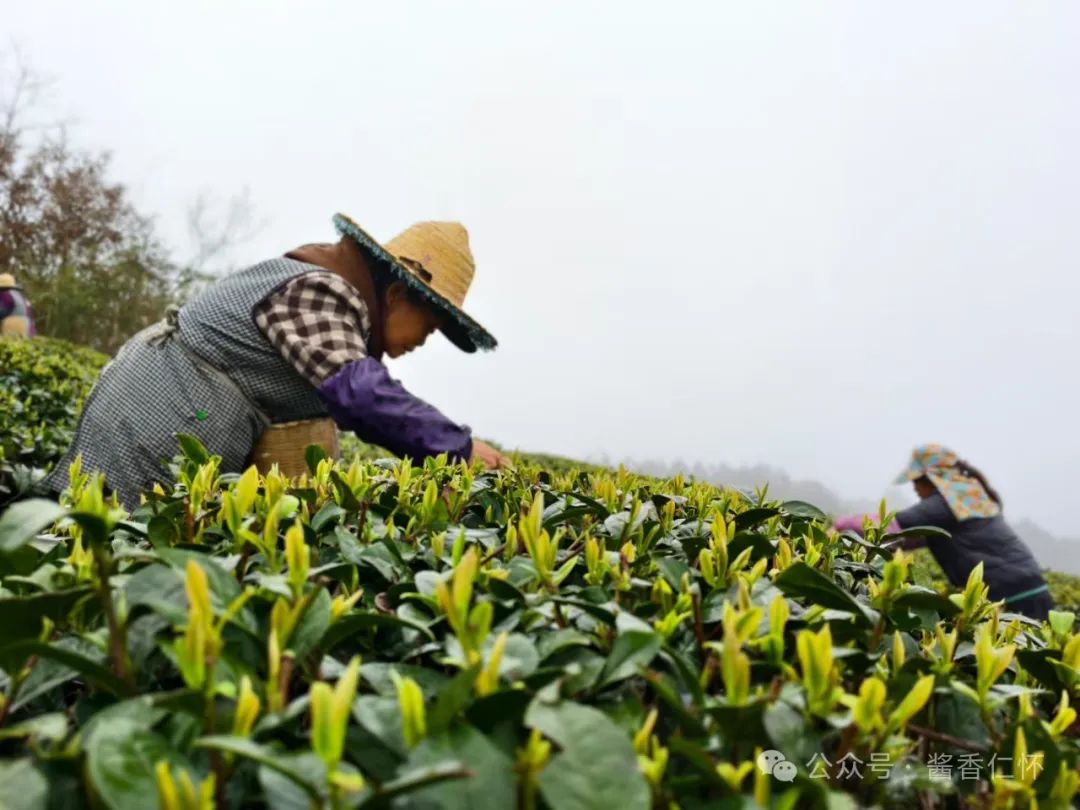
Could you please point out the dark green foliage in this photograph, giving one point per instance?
(374, 634)
(510, 643)
(43, 384)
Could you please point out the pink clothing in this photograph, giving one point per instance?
(854, 523)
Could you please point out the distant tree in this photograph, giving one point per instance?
(214, 228)
(90, 263)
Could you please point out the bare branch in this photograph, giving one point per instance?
(214, 234)
(28, 91)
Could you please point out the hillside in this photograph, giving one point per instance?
(372, 634)
(43, 383)
(1052, 552)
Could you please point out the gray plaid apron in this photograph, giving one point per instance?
(207, 370)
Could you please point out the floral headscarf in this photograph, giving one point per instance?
(965, 495)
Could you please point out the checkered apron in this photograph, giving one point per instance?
(205, 370)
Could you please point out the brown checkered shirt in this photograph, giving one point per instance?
(318, 322)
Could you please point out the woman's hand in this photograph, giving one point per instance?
(488, 455)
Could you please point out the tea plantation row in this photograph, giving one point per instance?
(377, 634)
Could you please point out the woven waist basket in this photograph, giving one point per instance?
(284, 445)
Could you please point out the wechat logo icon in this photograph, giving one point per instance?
(774, 763)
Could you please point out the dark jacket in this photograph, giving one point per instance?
(1009, 567)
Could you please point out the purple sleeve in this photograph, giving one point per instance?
(362, 397)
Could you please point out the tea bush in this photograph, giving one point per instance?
(376, 634)
(1065, 589)
(43, 383)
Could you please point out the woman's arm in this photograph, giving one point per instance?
(854, 523)
(319, 324)
(363, 397)
(932, 511)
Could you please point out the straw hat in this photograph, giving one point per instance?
(434, 260)
(7, 280)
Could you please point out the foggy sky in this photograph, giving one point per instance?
(811, 235)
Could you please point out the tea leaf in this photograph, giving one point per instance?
(22, 521)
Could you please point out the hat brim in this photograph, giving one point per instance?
(908, 475)
(459, 328)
